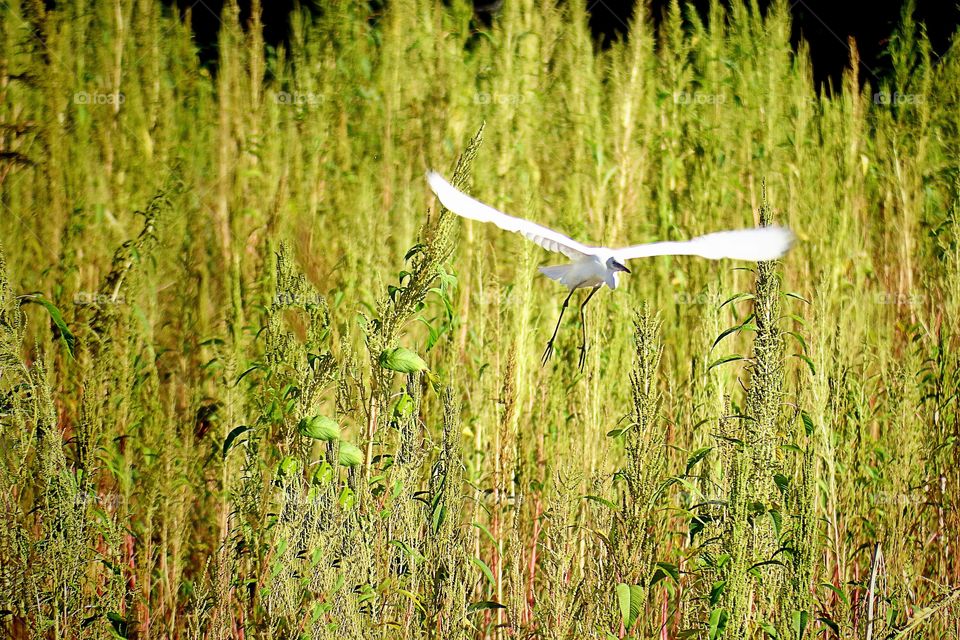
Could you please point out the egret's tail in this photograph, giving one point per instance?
(557, 272)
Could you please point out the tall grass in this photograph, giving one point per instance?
(200, 268)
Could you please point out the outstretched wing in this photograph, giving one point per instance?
(465, 206)
(766, 243)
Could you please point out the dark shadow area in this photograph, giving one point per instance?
(826, 25)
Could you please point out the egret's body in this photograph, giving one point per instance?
(589, 271)
(593, 267)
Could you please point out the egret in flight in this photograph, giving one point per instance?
(593, 267)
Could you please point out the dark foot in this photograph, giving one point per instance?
(583, 356)
(547, 353)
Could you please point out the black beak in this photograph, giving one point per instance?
(620, 267)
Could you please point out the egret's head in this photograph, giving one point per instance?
(613, 265)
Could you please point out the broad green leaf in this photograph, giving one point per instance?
(66, 336)
(349, 454)
(233, 435)
(807, 423)
(288, 467)
(484, 569)
(670, 569)
(840, 594)
(800, 619)
(769, 629)
(630, 600)
(782, 482)
(697, 456)
(636, 603)
(623, 599)
(718, 623)
(830, 623)
(322, 474)
(483, 605)
(319, 428)
(402, 360)
(716, 591)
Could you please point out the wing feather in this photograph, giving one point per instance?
(766, 243)
(467, 207)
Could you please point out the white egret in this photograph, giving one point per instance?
(593, 267)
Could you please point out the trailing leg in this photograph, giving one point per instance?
(583, 327)
(549, 350)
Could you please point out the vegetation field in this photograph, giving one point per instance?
(256, 383)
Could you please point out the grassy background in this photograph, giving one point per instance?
(194, 264)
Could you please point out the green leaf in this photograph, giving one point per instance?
(636, 602)
(349, 454)
(119, 624)
(718, 623)
(840, 594)
(234, 433)
(744, 325)
(737, 298)
(813, 370)
(782, 482)
(437, 518)
(66, 337)
(322, 474)
(796, 336)
(603, 501)
(319, 428)
(807, 423)
(401, 360)
(414, 555)
(697, 456)
(488, 534)
(484, 605)
(623, 599)
(716, 591)
(724, 360)
(670, 569)
(414, 250)
(244, 374)
(403, 407)
(777, 521)
(830, 623)
(800, 619)
(288, 466)
(769, 629)
(485, 569)
(630, 599)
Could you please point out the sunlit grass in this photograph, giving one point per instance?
(196, 264)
